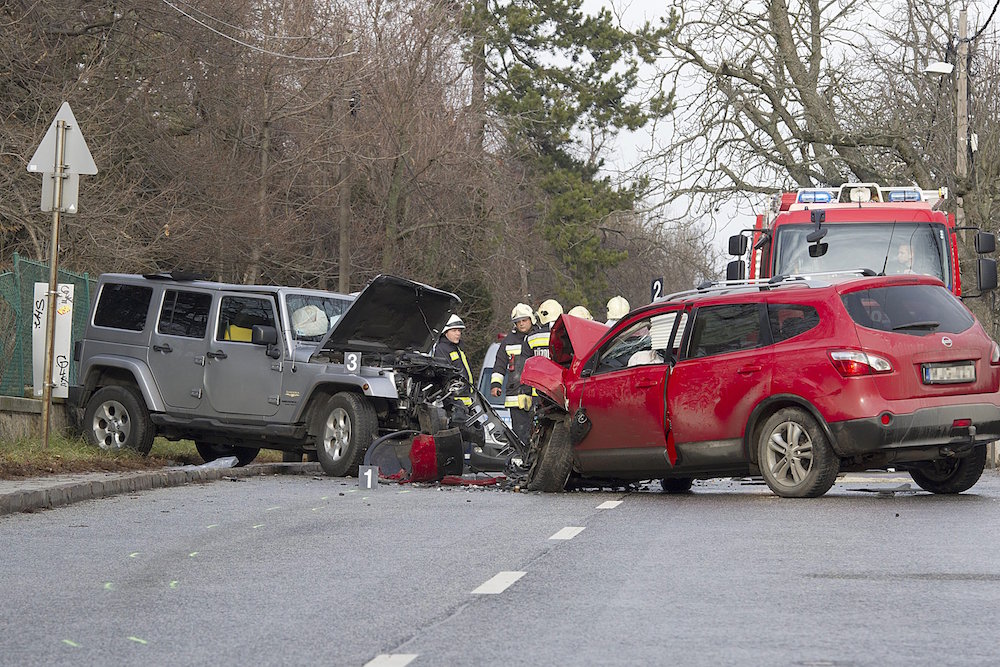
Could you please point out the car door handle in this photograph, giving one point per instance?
(747, 370)
(216, 355)
(163, 348)
(647, 383)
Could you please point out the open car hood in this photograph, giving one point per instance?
(392, 314)
(572, 337)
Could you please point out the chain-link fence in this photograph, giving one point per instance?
(17, 289)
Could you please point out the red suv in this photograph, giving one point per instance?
(796, 379)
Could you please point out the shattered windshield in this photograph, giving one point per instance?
(312, 315)
(889, 247)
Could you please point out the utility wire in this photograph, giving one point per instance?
(257, 48)
(988, 19)
(236, 27)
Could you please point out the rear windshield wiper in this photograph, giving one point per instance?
(929, 324)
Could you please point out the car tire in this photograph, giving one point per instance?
(345, 426)
(795, 456)
(676, 485)
(209, 451)
(116, 418)
(951, 475)
(551, 466)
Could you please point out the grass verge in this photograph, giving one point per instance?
(65, 455)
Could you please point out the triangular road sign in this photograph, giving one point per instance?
(77, 156)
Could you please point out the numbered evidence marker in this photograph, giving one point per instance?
(352, 362)
(368, 477)
(655, 289)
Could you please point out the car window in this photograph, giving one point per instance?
(123, 306)
(727, 328)
(184, 313)
(313, 315)
(627, 348)
(789, 320)
(238, 314)
(909, 309)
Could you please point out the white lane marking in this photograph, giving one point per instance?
(609, 504)
(498, 584)
(567, 533)
(391, 660)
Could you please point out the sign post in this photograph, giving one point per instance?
(62, 155)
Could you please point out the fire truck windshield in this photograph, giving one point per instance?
(889, 247)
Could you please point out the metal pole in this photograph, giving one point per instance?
(962, 123)
(50, 313)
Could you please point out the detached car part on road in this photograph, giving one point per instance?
(797, 378)
(236, 367)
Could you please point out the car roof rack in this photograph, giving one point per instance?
(804, 279)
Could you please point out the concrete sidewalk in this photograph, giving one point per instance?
(37, 493)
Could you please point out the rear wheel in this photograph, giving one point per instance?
(209, 451)
(553, 462)
(795, 456)
(678, 485)
(951, 475)
(116, 418)
(345, 426)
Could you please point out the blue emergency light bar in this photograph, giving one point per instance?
(815, 197)
(905, 195)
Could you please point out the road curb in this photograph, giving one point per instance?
(66, 493)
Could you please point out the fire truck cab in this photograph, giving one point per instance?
(887, 230)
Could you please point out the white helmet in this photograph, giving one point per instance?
(617, 308)
(580, 311)
(522, 311)
(454, 322)
(549, 311)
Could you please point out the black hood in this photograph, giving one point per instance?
(392, 314)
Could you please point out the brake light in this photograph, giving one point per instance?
(854, 363)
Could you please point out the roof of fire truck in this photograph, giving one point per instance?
(854, 195)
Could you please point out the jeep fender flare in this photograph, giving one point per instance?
(768, 407)
(140, 373)
(372, 387)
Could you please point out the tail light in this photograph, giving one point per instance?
(854, 363)
(995, 353)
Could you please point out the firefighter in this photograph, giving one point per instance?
(580, 311)
(449, 348)
(617, 309)
(548, 312)
(513, 352)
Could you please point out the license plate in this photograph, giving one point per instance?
(948, 373)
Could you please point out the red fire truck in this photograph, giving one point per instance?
(886, 230)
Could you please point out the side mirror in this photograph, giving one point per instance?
(985, 243)
(986, 275)
(263, 335)
(737, 245)
(818, 249)
(736, 269)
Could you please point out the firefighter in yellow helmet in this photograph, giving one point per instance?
(617, 308)
(514, 351)
(449, 348)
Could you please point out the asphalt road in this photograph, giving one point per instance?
(302, 570)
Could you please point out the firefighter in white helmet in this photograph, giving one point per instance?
(449, 348)
(548, 312)
(514, 351)
(617, 308)
(580, 311)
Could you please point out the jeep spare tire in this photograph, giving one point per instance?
(344, 426)
(116, 418)
(210, 451)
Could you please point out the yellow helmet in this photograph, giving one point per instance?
(617, 308)
(549, 311)
(521, 311)
(580, 311)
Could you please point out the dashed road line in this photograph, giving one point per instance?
(499, 583)
(609, 504)
(567, 533)
(391, 660)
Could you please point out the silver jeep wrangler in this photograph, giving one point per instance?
(239, 367)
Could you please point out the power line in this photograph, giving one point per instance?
(988, 19)
(236, 27)
(256, 48)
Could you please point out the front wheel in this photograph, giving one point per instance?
(553, 463)
(677, 485)
(951, 475)
(209, 451)
(116, 418)
(345, 426)
(795, 456)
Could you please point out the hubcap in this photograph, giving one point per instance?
(336, 433)
(789, 454)
(111, 425)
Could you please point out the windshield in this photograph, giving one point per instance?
(895, 247)
(312, 315)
